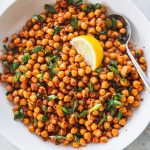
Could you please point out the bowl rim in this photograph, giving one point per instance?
(6, 4)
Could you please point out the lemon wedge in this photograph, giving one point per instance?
(90, 49)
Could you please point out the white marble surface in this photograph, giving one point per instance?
(143, 141)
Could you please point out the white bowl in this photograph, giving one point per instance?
(13, 15)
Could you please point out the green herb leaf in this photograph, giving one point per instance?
(35, 120)
(113, 63)
(117, 103)
(91, 6)
(122, 39)
(113, 69)
(65, 109)
(97, 6)
(118, 96)
(9, 92)
(44, 108)
(39, 95)
(56, 51)
(98, 70)
(114, 85)
(74, 106)
(83, 113)
(15, 50)
(78, 89)
(5, 48)
(52, 73)
(104, 119)
(14, 66)
(52, 62)
(137, 55)
(75, 116)
(76, 139)
(57, 29)
(120, 115)
(47, 52)
(95, 107)
(78, 3)
(52, 97)
(53, 58)
(17, 76)
(38, 18)
(58, 137)
(49, 8)
(25, 59)
(70, 2)
(113, 111)
(5, 63)
(108, 23)
(19, 114)
(91, 87)
(114, 23)
(72, 110)
(74, 22)
(53, 66)
(103, 32)
(23, 68)
(37, 49)
(45, 118)
(109, 106)
(130, 89)
(112, 103)
(40, 76)
(87, 10)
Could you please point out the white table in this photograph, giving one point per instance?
(142, 142)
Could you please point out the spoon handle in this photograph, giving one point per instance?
(140, 71)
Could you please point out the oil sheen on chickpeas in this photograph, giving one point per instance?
(54, 92)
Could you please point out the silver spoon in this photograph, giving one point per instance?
(128, 36)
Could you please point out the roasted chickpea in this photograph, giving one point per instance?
(87, 136)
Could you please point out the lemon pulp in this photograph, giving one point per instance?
(90, 49)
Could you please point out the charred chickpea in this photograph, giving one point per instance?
(82, 142)
(75, 144)
(61, 74)
(88, 70)
(81, 72)
(87, 136)
(123, 31)
(93, 80)
(136, 84)
(69, 137)
(119, 24)
(105, 85)
(115, 132)
(74, 73)
(108, 44)
(44, 134)
(84, 25)
(103, 139)
(130, 99)
(74, 130)
(110, 75)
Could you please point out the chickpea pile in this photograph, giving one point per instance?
(54, 92)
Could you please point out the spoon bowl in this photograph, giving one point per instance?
(126, 41)
(126, 24)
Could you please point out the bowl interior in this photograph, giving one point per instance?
(13, 19)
